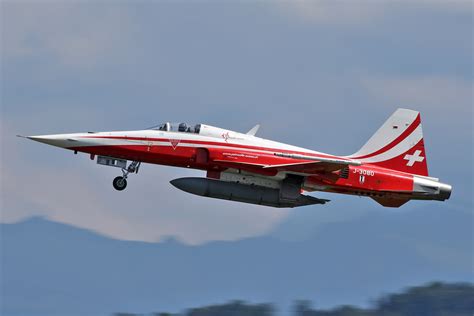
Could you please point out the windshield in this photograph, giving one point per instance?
(179, 127)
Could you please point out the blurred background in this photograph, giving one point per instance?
(318, 74)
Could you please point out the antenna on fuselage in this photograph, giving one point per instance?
(254, 130)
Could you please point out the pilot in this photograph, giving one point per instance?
(182, 127)
(197, 128)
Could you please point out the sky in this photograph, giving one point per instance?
(318, 74)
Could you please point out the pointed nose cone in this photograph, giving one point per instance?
(60, 140)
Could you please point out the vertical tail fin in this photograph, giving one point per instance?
(397, 144)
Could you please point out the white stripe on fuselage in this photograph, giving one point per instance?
(267, 146)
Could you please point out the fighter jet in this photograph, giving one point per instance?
(391, 168)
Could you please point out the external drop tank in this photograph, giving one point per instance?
(288, 195)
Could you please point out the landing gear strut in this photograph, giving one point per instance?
(120, 182)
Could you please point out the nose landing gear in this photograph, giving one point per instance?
(120, 182)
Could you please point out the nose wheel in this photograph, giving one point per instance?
(120, 182)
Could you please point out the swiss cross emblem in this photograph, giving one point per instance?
(414, 158)
(174, 143)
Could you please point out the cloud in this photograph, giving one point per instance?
(73, 34)
(332, 12)
(423, 92)
(352, 13)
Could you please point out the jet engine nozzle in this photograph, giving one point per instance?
(444, 191)
(431, 189)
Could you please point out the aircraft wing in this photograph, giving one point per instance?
(312, 165)
(309, 167)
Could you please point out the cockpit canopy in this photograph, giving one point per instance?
(178, 127)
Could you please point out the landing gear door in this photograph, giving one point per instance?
(110, 161)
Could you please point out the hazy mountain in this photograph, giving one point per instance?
(51, 268)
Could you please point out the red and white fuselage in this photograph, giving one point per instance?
(391, 167)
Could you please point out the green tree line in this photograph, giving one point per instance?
(435, 299)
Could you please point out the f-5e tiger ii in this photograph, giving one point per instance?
(391, 168)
